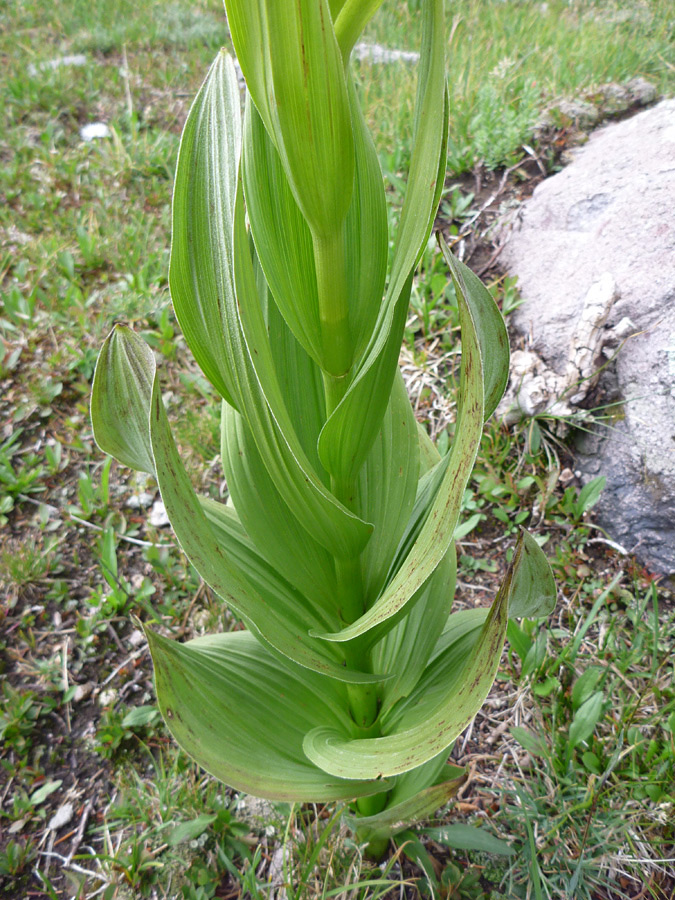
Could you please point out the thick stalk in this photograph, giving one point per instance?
(331, 281)
(330, 264)
(363, 698)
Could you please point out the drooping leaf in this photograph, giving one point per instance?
(120, 399)
(241, 713)
(534, 591)
(490, 327)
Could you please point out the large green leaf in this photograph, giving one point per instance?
(445, 699)
(263, 575)
(247, 23)
(265, 410)
(366, 234)
(385, 489)
(460, 634)
(282, 237)
(201, 269)
(242, 714)
(267, 519)
(280, 614)
(285, 626)
(420, 738)
(311, 115)
(354, 424)
(120, 399)
(435, 534)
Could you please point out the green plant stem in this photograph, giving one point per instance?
(331, 281)
(363, 698)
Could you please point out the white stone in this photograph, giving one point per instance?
(376, 53)
(61, 817)
(158, 516)
(93, 131)
(76, 59)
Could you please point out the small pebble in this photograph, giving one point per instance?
(158, 516)
(61, 817)
(136, 638)
(107, 698)
(94, 130)
(82, 691)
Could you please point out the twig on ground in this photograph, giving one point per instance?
(80, 830)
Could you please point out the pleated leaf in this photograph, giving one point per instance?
(284, 241)
(242, 714)
(405, 650)
(210, 248)
(311, 115)
(366, 234)
(354, 424)
(248, 28)
(285, 626)
(201, 269)
(445, 699)
(267, 519)
(266, 578)
(280, 614)
(120, 399)
(282, 237)
(460, 634)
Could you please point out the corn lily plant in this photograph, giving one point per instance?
(352, 678)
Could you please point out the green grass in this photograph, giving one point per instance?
(508, 60)
(84, 238)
